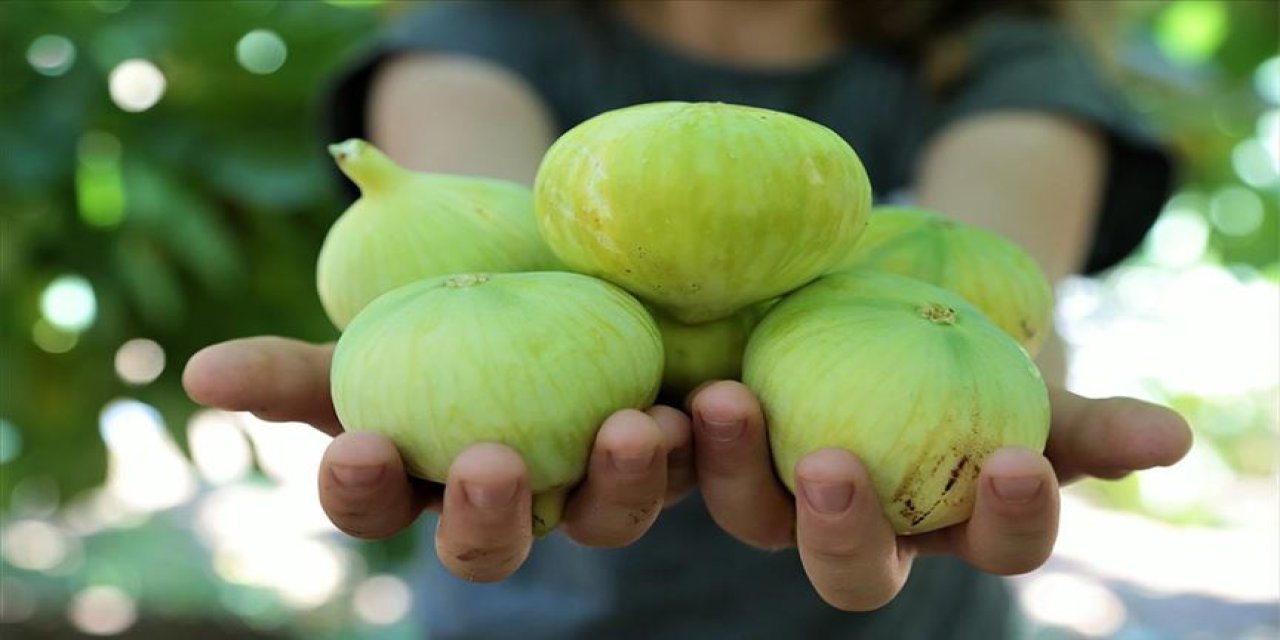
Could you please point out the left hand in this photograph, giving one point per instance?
(849, 551)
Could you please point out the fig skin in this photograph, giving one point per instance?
(700, 353)
(409, 225)
(908, 376)
(701, 209)
(534, 361)
(987, 269)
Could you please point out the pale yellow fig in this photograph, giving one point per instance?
(408, 225)
(906, 375)
(704, 352)
(701, 209)
(987, 269)
(534, 361)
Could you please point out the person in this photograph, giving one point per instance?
(991, 112)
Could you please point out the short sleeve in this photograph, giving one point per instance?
(1025, 63)
(522, 38)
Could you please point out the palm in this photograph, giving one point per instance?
(851, 554)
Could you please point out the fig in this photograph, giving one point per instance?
(535, 361)
(701, 209)
(699, 353)
(409, 225)
(985, 268)
(908, 376)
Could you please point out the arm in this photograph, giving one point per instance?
(458, 115)
(1034, 178)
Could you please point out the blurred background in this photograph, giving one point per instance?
(162, 187)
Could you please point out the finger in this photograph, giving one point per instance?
(625, 484)
(678, 433)
(486, 527)
(847, 546)
(277, 379)
(734, 468)
(1109, 438)
(364, 489)
(1015, 516)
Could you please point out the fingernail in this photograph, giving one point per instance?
(490, 496)
(633, 462)
(723, 431)
(357, 477)
(1017, 490)
(828, 497)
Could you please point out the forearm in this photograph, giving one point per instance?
(458, 115)
(1036, 179)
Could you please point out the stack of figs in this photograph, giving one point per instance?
(662, 246)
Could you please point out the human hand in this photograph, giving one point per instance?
(851, 554)
(641, 461)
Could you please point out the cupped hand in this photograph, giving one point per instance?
(851, 554)
(641, 460)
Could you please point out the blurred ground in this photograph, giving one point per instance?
(1165, 582)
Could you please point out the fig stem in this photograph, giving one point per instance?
(548, 509)
(938, 313)
(365, 164)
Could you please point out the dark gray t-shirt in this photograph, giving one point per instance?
(686, 578)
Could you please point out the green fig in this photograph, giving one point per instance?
(701, 209)
(908, 376)
(534, 361)
(985, 268)
(409, 225)
(700, 353)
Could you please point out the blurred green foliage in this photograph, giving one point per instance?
(199, 219)
(194, 221)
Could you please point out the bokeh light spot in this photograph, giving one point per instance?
(305, 573)
(261, 51)
(1190, 31)
(1236, 211)
(102, 610)
(34, 545)
(1081, 604)
(1255, 165)
(51, 55)
(382, 599)
(139, 361)
(68, 303)
(1178, 239)
(1269, 134)
(10, 441)
(145, 469)
(51, 339)
(126, 423)
(218, 447)
(136, 85)
(1266, 80)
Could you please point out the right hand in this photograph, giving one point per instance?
(642, 460)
